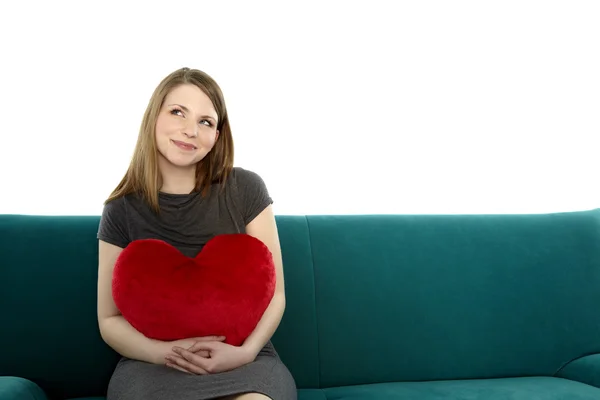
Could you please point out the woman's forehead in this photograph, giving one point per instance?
(192, 98)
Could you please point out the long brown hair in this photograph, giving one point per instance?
(143, 177)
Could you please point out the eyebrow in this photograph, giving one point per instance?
(188, 110)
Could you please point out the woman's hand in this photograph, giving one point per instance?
(209, 357)
(165, 349)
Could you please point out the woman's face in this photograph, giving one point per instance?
(186, 127)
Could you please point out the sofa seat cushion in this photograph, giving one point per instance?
(14, 388)
(534, 388)
(311, 394)
(303, 394)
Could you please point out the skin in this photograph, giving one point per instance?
(188, 116)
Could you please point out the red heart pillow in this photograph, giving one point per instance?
(224, 290)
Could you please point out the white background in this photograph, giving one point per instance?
(342, 107)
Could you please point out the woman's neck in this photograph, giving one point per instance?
(176, 180)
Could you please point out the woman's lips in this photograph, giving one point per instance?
(184, 145)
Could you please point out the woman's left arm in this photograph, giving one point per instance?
(224, 357)
(264, 228)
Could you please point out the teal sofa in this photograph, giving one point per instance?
(500, 307)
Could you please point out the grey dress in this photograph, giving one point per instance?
(187, 222)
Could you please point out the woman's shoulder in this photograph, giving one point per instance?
(242, 176)
(113, 222)
(119, 204)
(251, 190)
(248, 183)
(112, 206)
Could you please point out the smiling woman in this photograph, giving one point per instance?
(184, 133)
(181, 187)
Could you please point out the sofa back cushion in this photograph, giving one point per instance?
(410, 298)
(296, 339)
(48, 281)
(369, 298)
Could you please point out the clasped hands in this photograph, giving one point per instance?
(206, 355)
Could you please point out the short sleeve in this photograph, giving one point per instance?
(113, 224)
(254, 194)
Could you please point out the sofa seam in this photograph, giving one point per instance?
(312, 260)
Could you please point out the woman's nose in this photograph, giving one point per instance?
(191, 130)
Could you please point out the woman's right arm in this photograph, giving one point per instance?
(115, 330)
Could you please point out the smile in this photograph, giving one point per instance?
(184, 145)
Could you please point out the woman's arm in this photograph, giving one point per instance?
(264, 228)
(115, 330)
(226, 357)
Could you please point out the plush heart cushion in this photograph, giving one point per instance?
(224, 290)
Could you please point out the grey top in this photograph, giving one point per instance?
(187, 221)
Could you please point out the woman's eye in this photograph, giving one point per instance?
(178, 112)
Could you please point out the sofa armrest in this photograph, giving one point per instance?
(585, 370)
(15, 388)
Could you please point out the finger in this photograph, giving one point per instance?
(170, 360)
(202, 353)
(186, 365)
(202, 346)
(177, 367)
(193, 358)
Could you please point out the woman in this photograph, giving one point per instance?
(181, 187)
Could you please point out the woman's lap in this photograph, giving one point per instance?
(267, 375)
